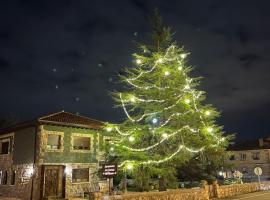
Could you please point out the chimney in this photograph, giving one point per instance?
(261, 142)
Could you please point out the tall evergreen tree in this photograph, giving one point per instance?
(167, 119)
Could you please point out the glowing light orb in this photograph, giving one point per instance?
(187, 101)
(209, 129)
(167, 73)
(154, 120)
(129, 166)
(160, 60)
(109, 129)
(164, 135)
(183, 55)
(139, 61)
(207, 112)
(131, 139)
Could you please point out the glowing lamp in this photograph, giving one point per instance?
(160, 60)
(183, 55)
(164, 135)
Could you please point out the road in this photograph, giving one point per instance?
(263, 195)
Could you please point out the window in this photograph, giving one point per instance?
(256, 156)
(4, 177)
(81, 143)
(243, 156)
(4, 143)
(53, 141)
(244, 170)
(80, 175)
(232, 157)
(12, 178)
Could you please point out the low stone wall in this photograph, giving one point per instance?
(183, 194)
(205, 193)
(236, 189)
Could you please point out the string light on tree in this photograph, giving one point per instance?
(169, 110)
(109, 129)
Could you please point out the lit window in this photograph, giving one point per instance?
(4, 146)
(256, 156)
(81, 143)
(80, 175)
(53, 141)
(243, 156)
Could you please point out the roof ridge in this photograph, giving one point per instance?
(49, 115)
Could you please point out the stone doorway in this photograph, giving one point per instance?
(53, 181)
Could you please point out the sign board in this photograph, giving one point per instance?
(258, 171)
(109, 170)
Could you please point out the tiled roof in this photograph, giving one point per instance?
(70, 119)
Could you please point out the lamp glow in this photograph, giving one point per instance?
(133, 99)
(183, 55)
(160, 60)
(180, 68)
(164, 135)
(129, 166)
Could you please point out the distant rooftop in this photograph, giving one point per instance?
(61, 118)
(262, 143)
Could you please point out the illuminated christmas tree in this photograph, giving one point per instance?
(167, 118)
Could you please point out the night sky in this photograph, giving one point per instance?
(66, 55)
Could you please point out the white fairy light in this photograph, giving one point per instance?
(129, 166)
(187, 87)
(131, 139)
(164, 135)
(207, 112)
(160, 60)
(139, 61)
(183, 55)
(180, 68)
(187, 101)
(167, 73)
(109, 129)
(133, 99)
(154, 120)
(111, 149)
(209, 129)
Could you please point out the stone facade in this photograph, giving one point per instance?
(245, 160)
(63, 168)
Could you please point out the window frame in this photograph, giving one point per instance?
(83, 135)
(61, 142)
(243, 156)
(257, 157)
(13, 177)
(5, 140)
(80, 182)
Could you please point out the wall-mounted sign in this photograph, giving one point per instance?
(109, 170)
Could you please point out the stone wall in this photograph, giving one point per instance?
(232, 190)
(203, 193)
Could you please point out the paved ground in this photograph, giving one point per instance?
(263, 195)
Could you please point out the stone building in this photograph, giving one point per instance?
(53, 156)
(244, 157)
